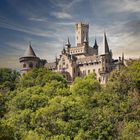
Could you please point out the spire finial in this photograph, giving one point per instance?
(95, 44)
(68, 41)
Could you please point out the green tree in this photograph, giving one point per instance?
(40, 76)
(87, 85)
(125, 80)
(8, 79)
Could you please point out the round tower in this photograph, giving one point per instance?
(28, 61)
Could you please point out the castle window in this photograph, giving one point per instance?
(24, 65)
(31, 65)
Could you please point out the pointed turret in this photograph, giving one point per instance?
(29, 60)
(95, 45)
(106, 47)
(29, 52)
(68, 43)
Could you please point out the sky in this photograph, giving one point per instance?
(48, 23)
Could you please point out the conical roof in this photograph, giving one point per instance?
(106, 47)
(68, 43)
(29, 52)
(95, 45)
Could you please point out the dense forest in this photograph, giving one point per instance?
(42, 106)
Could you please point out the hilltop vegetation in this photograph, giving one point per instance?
(42, 106)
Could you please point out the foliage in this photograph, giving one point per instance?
(8, 79)
(44, 107)
(40, 77)
(125, 80)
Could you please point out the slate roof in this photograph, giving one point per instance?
(29, 52)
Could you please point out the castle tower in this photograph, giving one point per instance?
(81, 33)
(29, 60)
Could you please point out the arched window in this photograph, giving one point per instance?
(24, 65)
(31, 65)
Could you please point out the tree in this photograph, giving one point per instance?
(8, 79)
(44, 107)
(87, 85)
(125, 80)
(40, 76)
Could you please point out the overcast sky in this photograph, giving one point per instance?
(48, 23)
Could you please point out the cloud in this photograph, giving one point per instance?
(122, 5)
(61, 15)
(6, 23)
(38, 19)
(64, 4)
(66, 23)
(124, 37)
(44, 26)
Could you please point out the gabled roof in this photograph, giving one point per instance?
(29, 52)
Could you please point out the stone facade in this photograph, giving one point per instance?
(76, 61)
(29, 60)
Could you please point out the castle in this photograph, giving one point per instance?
(76, 61)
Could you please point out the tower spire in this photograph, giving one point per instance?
(68, 41)
(106, 47)
(95, 44)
